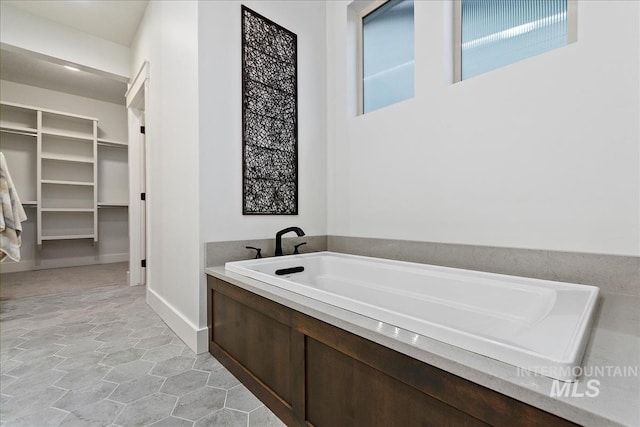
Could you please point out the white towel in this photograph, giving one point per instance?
(11, 215)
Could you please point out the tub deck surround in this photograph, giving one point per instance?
(218, 253)
(541, 326)
(618, 274)
(614, 342)
(611, 273)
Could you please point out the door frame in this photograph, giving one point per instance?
(139, 239)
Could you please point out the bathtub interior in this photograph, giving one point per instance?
(491, 314)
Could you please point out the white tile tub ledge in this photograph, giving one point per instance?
(544, 325)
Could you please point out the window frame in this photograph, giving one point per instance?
(572, 33)
(362, 12)
(374, 5)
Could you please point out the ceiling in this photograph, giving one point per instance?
(33, 71)
(113, 20)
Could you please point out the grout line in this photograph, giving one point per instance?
(174, 405)
(259, 407)
(226, 396)
(124, 405)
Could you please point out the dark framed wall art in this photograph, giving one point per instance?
(269, 117)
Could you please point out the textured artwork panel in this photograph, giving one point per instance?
(269, 117)
(266, 101)
(268, 132)
(270, 197)
(269, 37)
(269, 164)
(267, 70)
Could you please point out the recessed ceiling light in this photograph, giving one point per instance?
(72, 68)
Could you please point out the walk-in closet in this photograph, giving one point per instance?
(63, 133)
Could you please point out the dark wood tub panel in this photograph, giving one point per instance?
(265, 347)
(310, 373)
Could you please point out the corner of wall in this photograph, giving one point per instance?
(194, 337)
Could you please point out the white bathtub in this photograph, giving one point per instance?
(538, 325)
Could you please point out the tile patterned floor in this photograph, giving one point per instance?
(103, 358)
(50, 281)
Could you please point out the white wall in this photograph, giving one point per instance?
(220, 64)
(194, 137)
(113, 223)
(540, 154)
(20, 30)
(221, 119)
(168, 39)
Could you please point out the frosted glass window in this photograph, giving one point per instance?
(387, 55)
(496, 33)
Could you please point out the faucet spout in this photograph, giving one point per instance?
(279, 235)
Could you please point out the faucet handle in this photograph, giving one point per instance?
(295, 248)
(258, 251)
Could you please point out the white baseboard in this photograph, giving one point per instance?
(30, 264)
(203, 340)
(194, 337)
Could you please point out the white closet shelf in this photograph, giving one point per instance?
(65, 114)
(112, 143)
(61, 182)
(45, 110)
(113, 204)
(69, 237)
(20, 130)
(74, 135)
(67, 158)
(16, 105)
(77, 167)
(68, 210)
